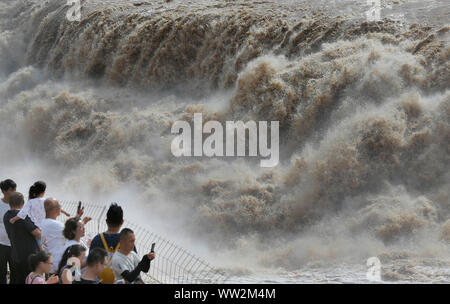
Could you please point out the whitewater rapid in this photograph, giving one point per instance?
(363, 107)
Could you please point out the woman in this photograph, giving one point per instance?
(74, 230)
(72, 262)
(41, 263)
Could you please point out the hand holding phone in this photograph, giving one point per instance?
(151, 255)
(80, 210)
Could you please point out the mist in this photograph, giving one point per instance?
(364, 126)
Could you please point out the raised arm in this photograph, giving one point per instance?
(24, 211)
(131, 276)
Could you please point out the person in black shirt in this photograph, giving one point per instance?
(23, 236)
(95, 265)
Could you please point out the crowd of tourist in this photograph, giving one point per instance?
(36, 248)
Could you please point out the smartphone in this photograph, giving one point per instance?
(79, 207)
(153, 247)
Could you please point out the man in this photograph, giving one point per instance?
(95, 265)
(23, 236)
(126, 263)
(53, 239)
(7, 186)
(109, 240)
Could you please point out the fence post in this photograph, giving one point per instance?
(99, 219)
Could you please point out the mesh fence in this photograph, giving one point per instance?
(172, 265)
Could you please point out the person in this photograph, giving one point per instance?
(95, 265)
(74, 231)
(109, 240)
(7, 186)
(41, 263)
(34, 208)
(71, 263)
(23, 235)
(126, 263)
(53, 239)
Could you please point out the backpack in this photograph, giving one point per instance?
(107, 276)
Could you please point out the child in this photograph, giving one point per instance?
(34, 208)
(41, 263)
(72, 261)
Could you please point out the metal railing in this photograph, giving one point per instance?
(172, 265)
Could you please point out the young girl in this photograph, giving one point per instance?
(72, 262)
(41, 263)
(34, 208)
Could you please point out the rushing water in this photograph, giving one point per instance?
(363, 107)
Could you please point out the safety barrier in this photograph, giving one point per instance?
(172, 265)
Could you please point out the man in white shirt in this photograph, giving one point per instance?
(125, 263)
(7, 186)
(52, 232)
